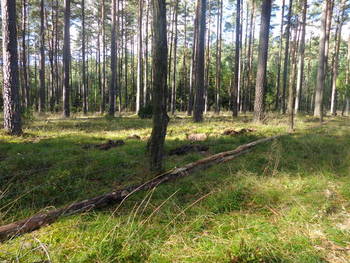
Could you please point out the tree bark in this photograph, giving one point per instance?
(66, 60)
(113, 84)
(159, 65)
(199, 64)
(286, 57)
(301, 55)
(42, 92)
(24, 55)
(12, 117)
(237, 61)
(336, 60)
(139, 92)
(262, 60)
(83, 40)
(318, 111)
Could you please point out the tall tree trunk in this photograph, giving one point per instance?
(83, 40)
(24, 55)
(199, 62)
(318, 111)
(139, 92)
(193, 62)
(278, 84)
(237, 61)
(173, 89)
(159, 65)
(218, 57)
(146, 68)
(113, 84)
(336, 60)
(42, 96)
(66, 60)
(286, 57)
(262, 60)
(12, 117)
(207, 67)
(103, 89)
(301, 56)
(291, 95)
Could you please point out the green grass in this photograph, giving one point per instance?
(286, 201)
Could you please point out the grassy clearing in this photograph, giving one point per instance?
(287, 201)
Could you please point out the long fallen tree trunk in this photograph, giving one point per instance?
(37, 221)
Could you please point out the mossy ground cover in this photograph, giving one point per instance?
(286, 201)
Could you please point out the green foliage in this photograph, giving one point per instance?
(146, 112)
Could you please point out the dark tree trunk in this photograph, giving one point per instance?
(113, 84)
(237, 61)
(199, 62)
(12, 117)
(42, 96)
(218, 57)
(24, 55)
(66, 61)
(83, 40)
(103, 88)
(139, 92)
(159, 65)
(262, 60)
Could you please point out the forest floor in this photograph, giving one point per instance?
(286, 201)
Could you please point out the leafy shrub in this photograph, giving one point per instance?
(146, 112)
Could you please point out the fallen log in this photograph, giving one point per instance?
(37, 221)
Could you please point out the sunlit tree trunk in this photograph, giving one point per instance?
(199, 63)
(12, 117)
(301, 56)
(262, 60)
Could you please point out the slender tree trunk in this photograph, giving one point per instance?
(262, 60)
(237, 61)
(336, 61)
(301, 55)
(103, 89)
(193, 64)
(42, 96)
(291, 95)
(83, 40)
(199, 65)
(113, 84)
(66, 60)
(218, 57)
(207, 67)
(159, 65)
(278, 84)
(286, 57)
(318, 111)
(12, 116)
(24, 55)
(173, 89)
(139, 92)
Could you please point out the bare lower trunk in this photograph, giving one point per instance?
(262, 60)
(159, 65)
(12, 117)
